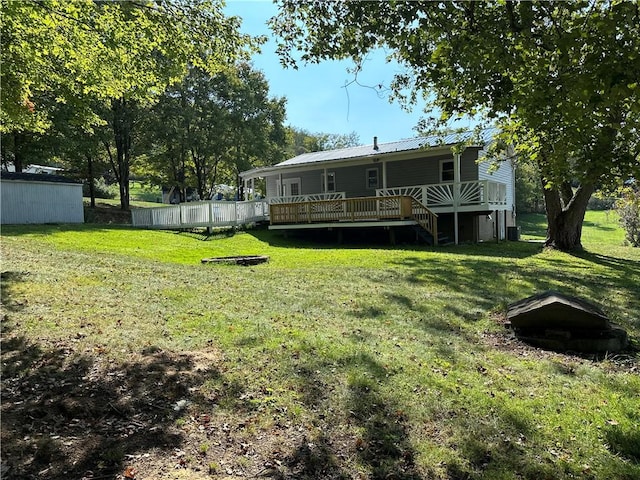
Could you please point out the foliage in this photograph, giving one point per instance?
(529, 196)
(560, 79)
(301, 141)
(120, 54)
(601, 201)
(628, 207)
(208, 127)
(79, 49)
(101, 189)
(395, 364)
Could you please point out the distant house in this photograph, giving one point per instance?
(417, 183)
(44, 169)
(30, 198)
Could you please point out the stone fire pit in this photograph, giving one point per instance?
(238, 260)
(559, 322)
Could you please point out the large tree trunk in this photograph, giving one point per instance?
(565, 215)
(122, 126)
(18, 151)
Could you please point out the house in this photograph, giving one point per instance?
(417, 184)
(39, 198)
(44, 169)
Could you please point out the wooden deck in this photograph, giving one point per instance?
(359, 210)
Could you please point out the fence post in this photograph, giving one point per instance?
(235, 216)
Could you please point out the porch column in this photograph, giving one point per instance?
(325, 182)
(384, 174)
(245, 190)
(456, 193)
(281, 189)
(253, 188)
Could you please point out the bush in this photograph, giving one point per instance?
(628, 208)
(601, 202)
(101, 189)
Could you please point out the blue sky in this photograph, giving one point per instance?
(317, 99)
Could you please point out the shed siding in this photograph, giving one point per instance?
(26, 202)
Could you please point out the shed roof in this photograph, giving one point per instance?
(36, 177)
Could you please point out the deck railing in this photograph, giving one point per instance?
(484, 193)
(308, 198)
(359, 209)
(341, 210)
(201, 214)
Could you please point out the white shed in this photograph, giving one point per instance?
(37, 198)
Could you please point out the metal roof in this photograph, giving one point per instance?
(405, 145)
(366, 151)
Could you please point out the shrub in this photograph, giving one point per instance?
(628, 208)
(601, 202)
(101, 189)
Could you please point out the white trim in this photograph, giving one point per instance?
(324, 185)
(284, 186)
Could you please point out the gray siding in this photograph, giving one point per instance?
(426, 170)
(26, 202)
(417, 171)
(353, 179)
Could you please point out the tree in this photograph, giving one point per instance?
(560, 79)
(529, 196)
(122, 53)
(208, 128)
(301, 141)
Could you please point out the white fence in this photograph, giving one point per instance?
(201, 214)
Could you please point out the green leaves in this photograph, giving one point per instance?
(109, 49)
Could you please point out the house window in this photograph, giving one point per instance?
(372, 178)
(290, 187)
(446, 171)
(331, 182)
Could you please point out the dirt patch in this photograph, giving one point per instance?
(78, 414)
(106, 214)
(506, 340)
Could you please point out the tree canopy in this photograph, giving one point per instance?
(118, 54)
(560, 79)
(107, 50)
(207, 128)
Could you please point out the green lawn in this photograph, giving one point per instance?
(326, 362)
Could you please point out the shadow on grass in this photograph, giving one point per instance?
(378, 439)
(68, 413)
(18, 230)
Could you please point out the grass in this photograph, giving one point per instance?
(326, 362)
